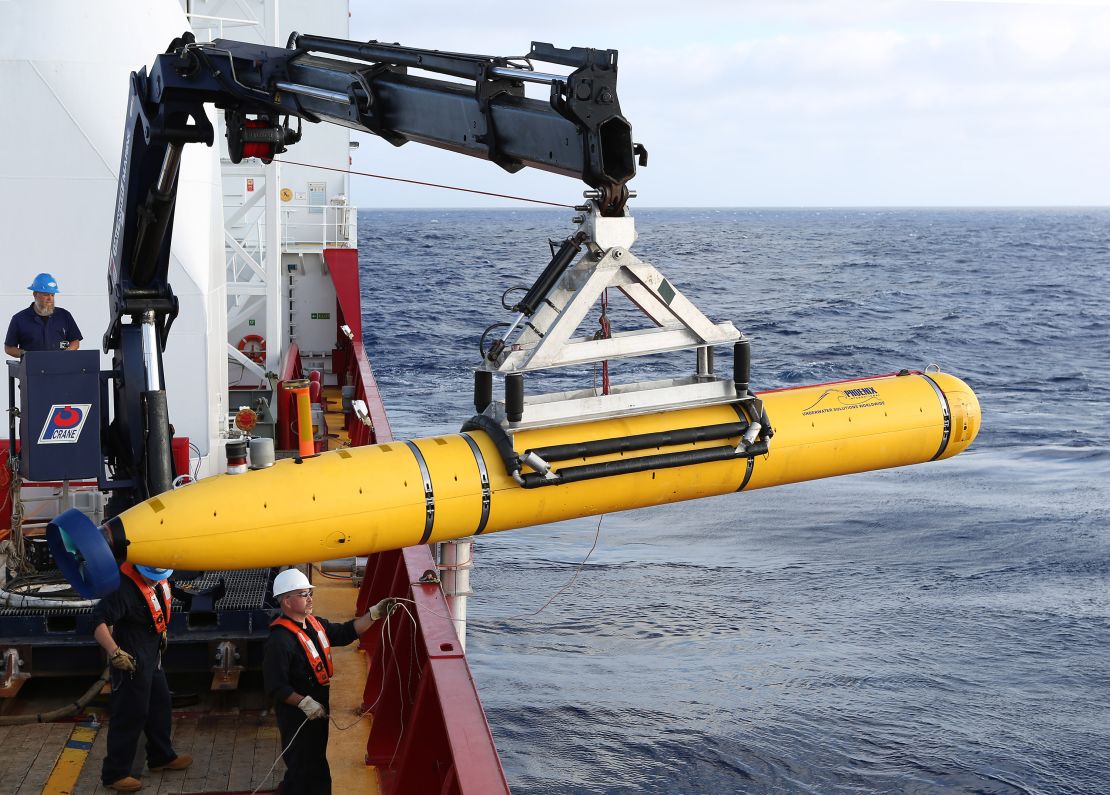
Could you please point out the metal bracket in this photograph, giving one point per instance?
(12, 675)
(225, 673)
(547, 339)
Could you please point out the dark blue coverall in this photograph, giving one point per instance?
(33, 332)
(285, 670)
(140, 700)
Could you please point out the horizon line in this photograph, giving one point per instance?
(768, 207)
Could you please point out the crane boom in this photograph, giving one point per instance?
(470, 104)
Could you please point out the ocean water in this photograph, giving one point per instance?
(937, 628)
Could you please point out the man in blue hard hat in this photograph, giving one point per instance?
(42, 326)
(130, 624)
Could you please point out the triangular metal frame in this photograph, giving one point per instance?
(544, 338)
(547, 340)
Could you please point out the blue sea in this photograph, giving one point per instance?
(937, 628)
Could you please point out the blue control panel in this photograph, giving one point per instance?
(59, 414)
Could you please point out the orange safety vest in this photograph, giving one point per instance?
(161, 619)
(322, 667)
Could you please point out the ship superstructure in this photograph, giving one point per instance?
(264, 263)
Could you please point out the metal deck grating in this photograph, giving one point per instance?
(246, 590)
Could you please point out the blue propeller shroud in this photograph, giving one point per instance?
(82, 554)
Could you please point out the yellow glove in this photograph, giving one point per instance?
(122, 660)
(382, 608)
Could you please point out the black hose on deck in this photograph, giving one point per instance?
(60, 712)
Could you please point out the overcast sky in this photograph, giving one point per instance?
(796, 103)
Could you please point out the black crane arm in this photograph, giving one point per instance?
(578, 131)
(480, 110)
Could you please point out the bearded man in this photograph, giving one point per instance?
(42, 326)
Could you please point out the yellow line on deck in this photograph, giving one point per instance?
(63, 778)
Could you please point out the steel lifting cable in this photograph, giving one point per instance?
(426, 184)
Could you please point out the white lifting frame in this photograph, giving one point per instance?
(546, 339)
(679, 325)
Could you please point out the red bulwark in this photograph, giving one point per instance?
(349, 358)
(343, 264)
(429, 732)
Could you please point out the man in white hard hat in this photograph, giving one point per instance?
(297, 671)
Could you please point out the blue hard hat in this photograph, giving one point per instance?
(44, 283)
(152, 573)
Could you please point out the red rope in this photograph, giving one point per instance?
(606, 330)
(426, 184)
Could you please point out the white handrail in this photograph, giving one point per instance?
(325, 225)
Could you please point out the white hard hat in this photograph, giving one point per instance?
(290, 580)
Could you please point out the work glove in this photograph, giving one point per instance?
(122, 660)
(382, 608)
(312, 708)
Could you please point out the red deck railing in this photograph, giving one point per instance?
(429, 732)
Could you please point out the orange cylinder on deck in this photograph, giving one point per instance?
(299, 390)
(305, 444)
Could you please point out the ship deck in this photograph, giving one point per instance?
(232, 737)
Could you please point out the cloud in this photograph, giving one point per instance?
(802, 102)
